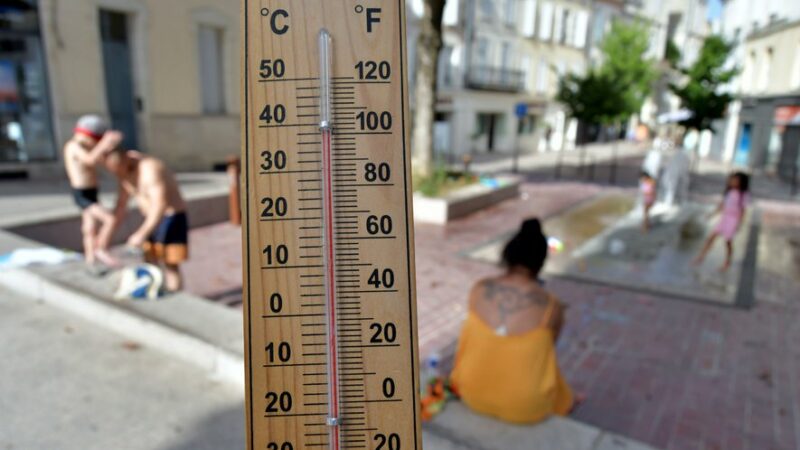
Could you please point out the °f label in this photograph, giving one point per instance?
(329, 310)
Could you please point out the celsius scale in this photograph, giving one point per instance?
(329, 296)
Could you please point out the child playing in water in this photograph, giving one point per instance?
(733, 208)
(647, 187)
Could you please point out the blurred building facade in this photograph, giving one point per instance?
(499, 55)
(165, 72)
(762, 129)
(678, 24)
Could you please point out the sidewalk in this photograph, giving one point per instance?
(594, 165)
(595, 153)
(69, 384)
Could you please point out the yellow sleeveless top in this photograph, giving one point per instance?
(513, 378)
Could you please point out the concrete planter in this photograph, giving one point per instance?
(464, 201)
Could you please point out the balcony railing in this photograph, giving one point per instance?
(495, 79)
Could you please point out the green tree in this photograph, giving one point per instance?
(593, 98)
(590, 98)
(701, 93)
(618, 88)
(625, 63)
(672, 54)
(613, 92)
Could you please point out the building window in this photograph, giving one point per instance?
(527, 73)
(527, 125)
(212, 77)
(25, 120)
(546, 21)
(511, 10)
(581, 28)
(487, 9)
(446, 66)
(766, 68)
(483, 52)
(796, 68)
(558, 14)
(598, 27)
(529, 18)
(749, 73)
(565, 25)
(505, 56)
(542, 77)
(482, 124)
(450, 17)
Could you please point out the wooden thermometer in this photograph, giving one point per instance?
(329, 310)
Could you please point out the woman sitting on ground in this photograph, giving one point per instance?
(506, 363)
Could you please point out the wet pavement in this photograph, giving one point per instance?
(778, 278)
(604, 243)
(661, 260)
(573, 228)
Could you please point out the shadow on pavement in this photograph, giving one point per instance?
(221, 430)
(625, 173)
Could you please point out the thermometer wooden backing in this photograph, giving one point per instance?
(329, 296)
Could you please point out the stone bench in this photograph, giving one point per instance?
(464, 201)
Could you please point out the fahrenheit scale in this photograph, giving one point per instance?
(330, 312)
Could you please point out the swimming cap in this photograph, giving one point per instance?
(92, 126)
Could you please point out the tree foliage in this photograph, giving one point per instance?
(591, 98)
(625, 63)
(618, 88)
(672, 54)
(701, 91)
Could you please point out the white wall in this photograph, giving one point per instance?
(739, 19)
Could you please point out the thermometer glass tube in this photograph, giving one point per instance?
(328, 244)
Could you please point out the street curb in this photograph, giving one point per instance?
(219, 363)
(745, 291)
(457, 427)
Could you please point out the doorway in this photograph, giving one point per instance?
(488, 125)
(742, 157)
(118, 68)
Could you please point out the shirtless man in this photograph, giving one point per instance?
(90, 142)
(164, 234)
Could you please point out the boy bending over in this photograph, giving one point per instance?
(164, 234)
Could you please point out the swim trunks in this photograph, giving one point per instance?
(169, 243)
(84, 198)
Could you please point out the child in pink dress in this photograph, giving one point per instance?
(647, 187)
(732, 209)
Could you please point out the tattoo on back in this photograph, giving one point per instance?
(511, 299)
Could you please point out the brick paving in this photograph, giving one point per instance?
(671, 373)
(682, 375)
(214, 269)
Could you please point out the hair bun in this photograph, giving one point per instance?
(531, 226)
